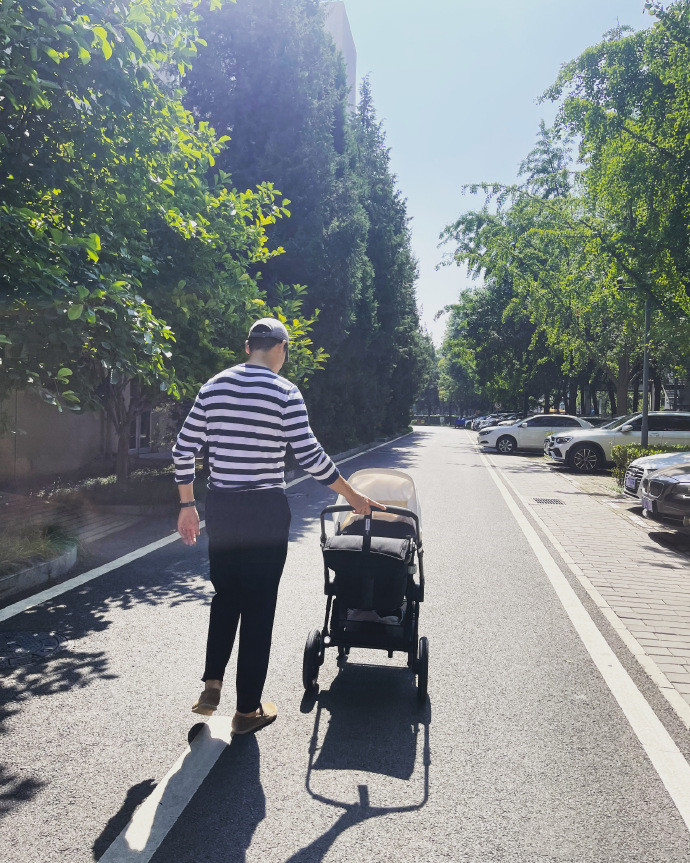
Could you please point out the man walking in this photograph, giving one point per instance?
(247, 415)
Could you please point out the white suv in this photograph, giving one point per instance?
(529, 433)
(585, 450)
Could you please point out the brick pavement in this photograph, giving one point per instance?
(628, 565)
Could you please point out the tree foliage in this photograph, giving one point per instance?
(570, 230)
(347, 240)
(131, 263)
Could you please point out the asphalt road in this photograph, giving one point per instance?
(521, 754)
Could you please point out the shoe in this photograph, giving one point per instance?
(207, 702)
(248, 724)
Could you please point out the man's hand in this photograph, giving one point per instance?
(188, 525)
(361, 504)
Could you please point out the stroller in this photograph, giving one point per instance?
(373, 597)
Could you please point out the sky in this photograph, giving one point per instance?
(457, 84)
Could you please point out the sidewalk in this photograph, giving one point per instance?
(628, 565)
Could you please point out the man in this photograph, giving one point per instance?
(247, 415)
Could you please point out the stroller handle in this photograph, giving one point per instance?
(396, 510)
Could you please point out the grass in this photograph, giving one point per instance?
(19, 547)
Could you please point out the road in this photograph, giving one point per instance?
(523, 752)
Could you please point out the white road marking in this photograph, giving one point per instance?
(85, 577)
(154, 818)
(667, 759)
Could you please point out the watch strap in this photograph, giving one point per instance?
(188, 503)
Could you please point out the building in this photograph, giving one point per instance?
(338, 26)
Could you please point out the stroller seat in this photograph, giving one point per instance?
(373, 579)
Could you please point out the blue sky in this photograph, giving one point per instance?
(456, 83)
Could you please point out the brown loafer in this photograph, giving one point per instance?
(207, 702)
(266, 714)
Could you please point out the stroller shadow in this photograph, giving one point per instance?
(374, 726)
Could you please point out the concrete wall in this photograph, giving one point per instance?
(338, 26)
(37, 440)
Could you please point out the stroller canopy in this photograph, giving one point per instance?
(387, 486)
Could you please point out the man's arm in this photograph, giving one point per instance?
(191, 438)
(361, 504)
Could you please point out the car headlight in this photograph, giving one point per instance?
(564, 438)
(682, 489)
(481, 433)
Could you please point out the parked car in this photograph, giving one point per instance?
(666, 494)
(550, 441)
(474, 425)
(529, 433)
(490, 420)
(584, 451)
(643, 467)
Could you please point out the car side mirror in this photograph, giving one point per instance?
(523, 425)
(627, 427)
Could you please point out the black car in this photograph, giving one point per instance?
(666, 494)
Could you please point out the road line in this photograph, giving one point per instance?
(666, 758)
(84, 578)
(154, 818)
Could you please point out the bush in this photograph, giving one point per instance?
(623, 455)
(22, 545)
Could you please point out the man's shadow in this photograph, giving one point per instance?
(374, 725)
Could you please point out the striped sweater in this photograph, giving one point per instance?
(247, 415)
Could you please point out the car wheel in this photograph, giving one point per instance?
(585, 458)
(506, 444)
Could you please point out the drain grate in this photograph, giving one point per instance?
(18, 649)
(551, 500)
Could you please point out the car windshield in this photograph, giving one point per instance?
(619, 421)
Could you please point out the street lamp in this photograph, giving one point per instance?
(644, 431)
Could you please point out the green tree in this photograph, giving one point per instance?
(132, 264)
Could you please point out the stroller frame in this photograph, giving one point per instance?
(338, 631)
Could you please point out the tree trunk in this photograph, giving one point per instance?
(594, 402)
(122, 463)
(636, 395)
(612, 398)
(547, 402)
(572, 398)
(622, 395)
(657, 393)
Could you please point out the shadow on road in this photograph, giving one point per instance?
(373, 726)
(169, 578)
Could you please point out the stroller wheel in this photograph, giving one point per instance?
(422, 669)
(312, 660)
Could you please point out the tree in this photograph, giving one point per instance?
(347, 239)
(132, 264)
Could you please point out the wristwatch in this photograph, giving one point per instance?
(188, 503)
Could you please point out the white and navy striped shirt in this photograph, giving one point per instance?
(247, 415)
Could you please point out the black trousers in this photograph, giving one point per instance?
(248, 538)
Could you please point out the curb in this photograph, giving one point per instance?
(38, 575)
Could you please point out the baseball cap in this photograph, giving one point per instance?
(272, 328)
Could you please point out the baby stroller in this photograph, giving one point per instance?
(373, 597)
